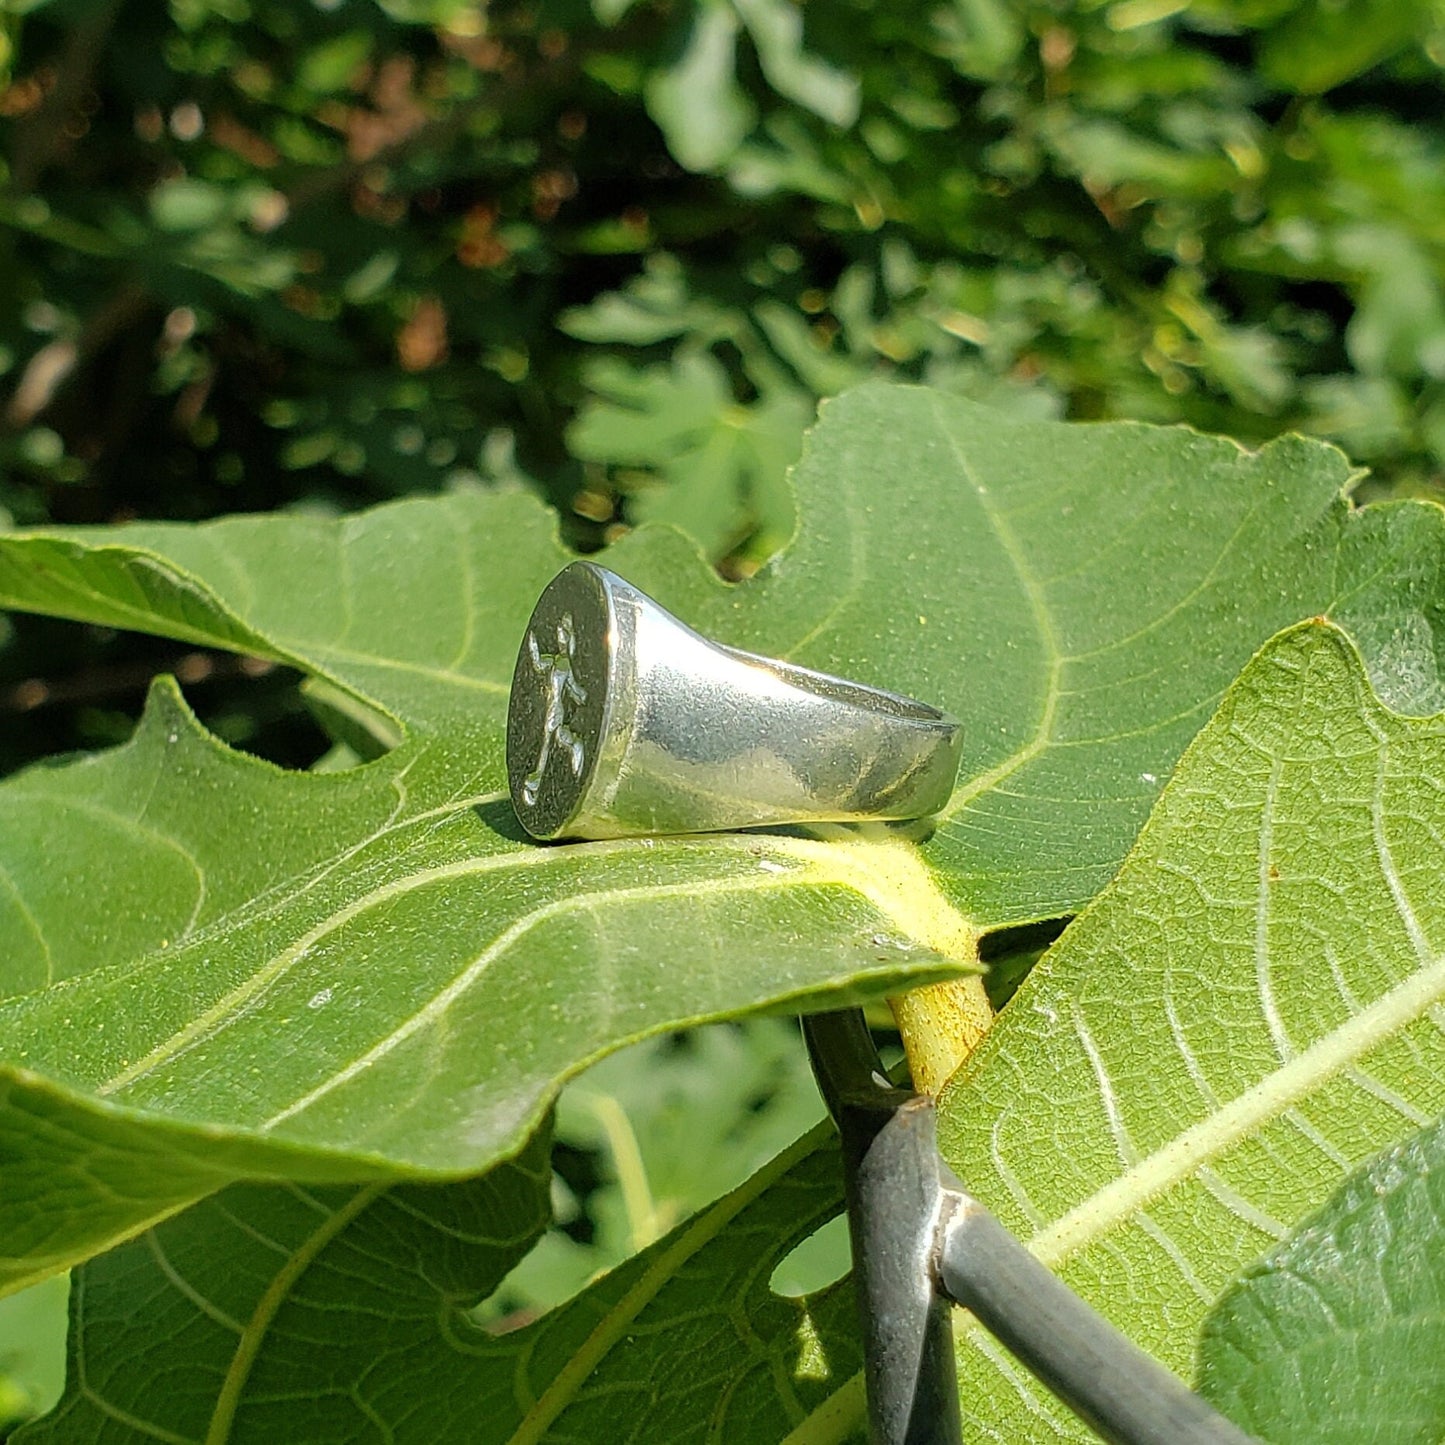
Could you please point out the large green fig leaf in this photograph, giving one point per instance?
(405, 1006)
(1255, 1005)
(1335, 1337)
(291, 1313)
(313, 1314)
(220, 971)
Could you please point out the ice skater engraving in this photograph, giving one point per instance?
(562, 689)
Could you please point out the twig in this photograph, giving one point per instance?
(96, 684)
(921, 1240)
(38, 138)
(48, 368)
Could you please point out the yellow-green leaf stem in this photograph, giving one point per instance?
(941, 1025)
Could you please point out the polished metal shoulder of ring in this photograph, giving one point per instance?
(625, 721)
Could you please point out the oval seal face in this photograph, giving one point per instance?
(558, 700)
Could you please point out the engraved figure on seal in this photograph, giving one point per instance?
(562, 689)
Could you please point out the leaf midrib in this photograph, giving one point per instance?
(1043, 622)
(319, 651)
(888, 874)
(199, 1029)
(248, 1348)
(1043, 619)
(436, 1006)
(1270, 1097)
(568, 1381)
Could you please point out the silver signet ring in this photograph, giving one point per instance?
(625, 721)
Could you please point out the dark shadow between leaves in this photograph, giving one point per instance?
(67, 690)
(1010, 953)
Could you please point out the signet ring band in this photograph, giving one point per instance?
(624, 721)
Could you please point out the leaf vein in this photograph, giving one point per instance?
(1271, 1096)
(436, 1007)
(228, 1398)
(1268, 1003)
(186, 1289)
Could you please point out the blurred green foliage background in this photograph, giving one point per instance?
(282, 253)
(316, 253)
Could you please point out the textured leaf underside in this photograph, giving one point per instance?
(1253, 1007)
